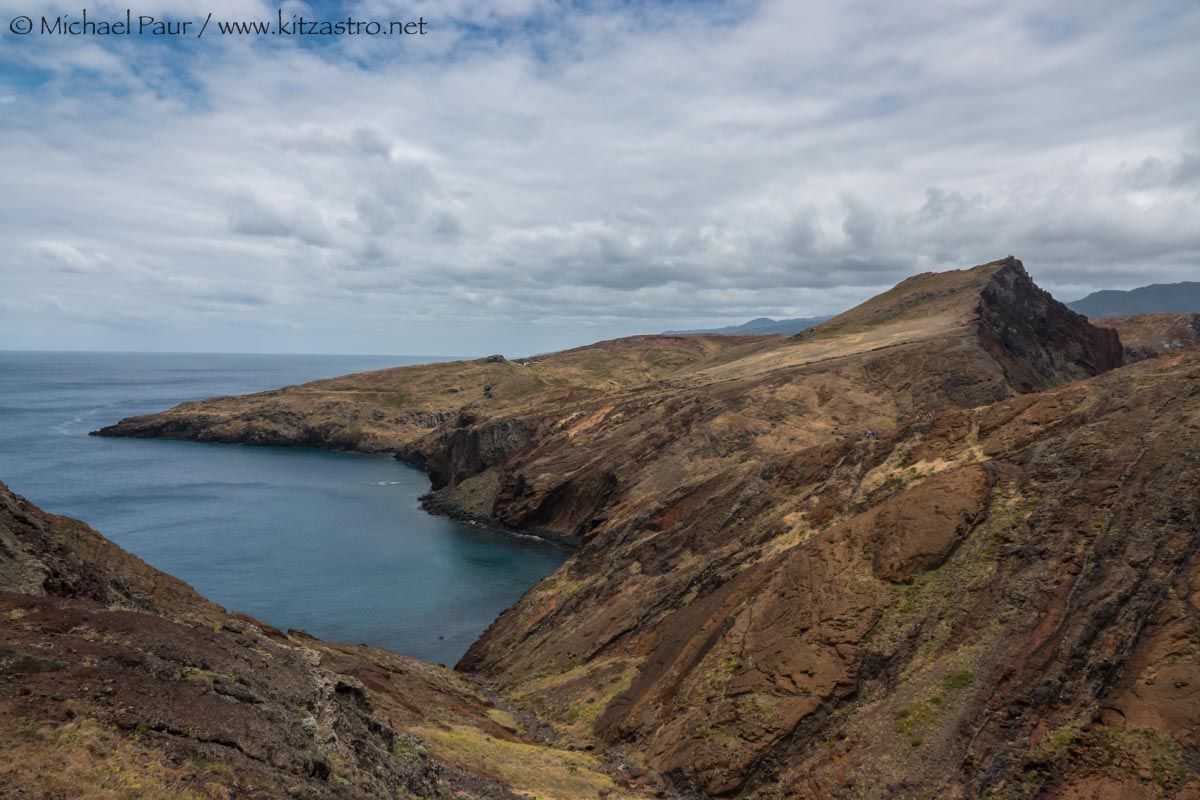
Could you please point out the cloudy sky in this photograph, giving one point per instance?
(536, 174)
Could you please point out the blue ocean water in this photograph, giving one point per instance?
(333, 543)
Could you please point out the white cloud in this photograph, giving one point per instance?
(533, 175)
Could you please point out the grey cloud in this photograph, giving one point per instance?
(1187, 171)
(446, 226)
(233, 297)
(944, 206)
(860, 223)
(252, 217)
(1181, 171)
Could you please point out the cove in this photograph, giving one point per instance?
(332, 543)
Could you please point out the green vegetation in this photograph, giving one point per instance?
(922, 714)
(917, 716)
(759, 707)
(958, 679)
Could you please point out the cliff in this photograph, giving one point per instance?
(938, 545)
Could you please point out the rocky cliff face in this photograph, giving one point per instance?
(1038, 341)
(469, 448)
(935, 546)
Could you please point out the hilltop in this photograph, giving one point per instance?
(944, 544)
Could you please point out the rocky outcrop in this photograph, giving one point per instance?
(466, 449)
(936, 341)
(1039, 341)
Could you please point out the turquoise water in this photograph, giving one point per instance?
(333, 543)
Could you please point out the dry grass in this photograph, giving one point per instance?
(543, 772)
(574, 699)
(86, 759)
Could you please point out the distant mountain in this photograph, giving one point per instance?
(1157, 298)
(764, 325)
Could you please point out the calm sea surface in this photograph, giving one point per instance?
(333, 543)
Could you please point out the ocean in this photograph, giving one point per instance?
(333, 543)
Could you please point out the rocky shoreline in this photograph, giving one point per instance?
(439, 504)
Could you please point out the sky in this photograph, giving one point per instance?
(532, 174)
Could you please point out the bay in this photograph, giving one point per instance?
(333, 543)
